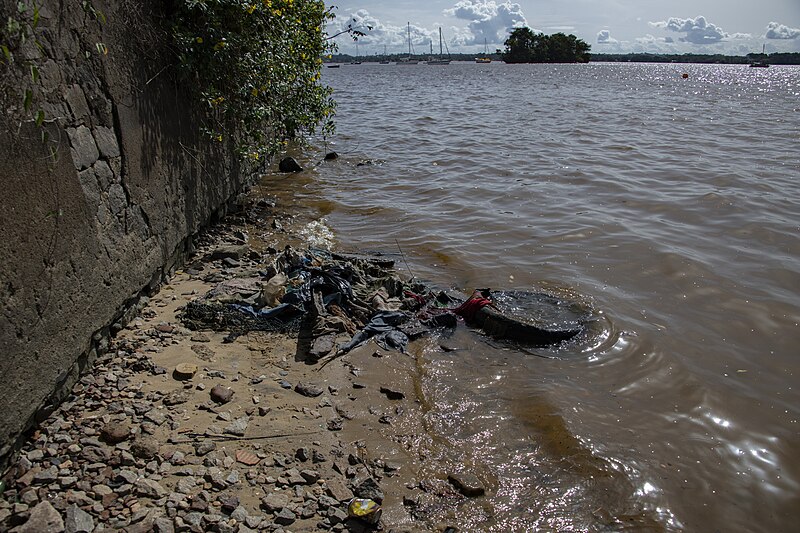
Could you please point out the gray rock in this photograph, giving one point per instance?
(84, 150)
(274, 501)
(186, 485)
(311, 476)
(127, 476)
(293, 477)
(285, 517)
(156, 416)
(203, 447)
(238, 426)
(43, 519)
(150, 489)
(233, 478)
(336, 515)
(176, 398)
(46, 476)
(117, 199)
(88, 181)
(193, 519)
(338, 490)
(229, 252)
(369, 489)
(76, 101)
(163, 525)
(106, 141)
(78, 520)
(309, 389)
(104, 174)
(239, 514)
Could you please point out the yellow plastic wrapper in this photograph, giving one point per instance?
(364, 509)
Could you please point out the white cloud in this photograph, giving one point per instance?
(488, 20)
(781, 31)
(698, 30)
(376, 32)
(604, 37)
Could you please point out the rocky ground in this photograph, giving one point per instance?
(182, 430)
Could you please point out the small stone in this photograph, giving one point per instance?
(337, 490)
(231, 252)
(309, 389)
(311, 476)
(176, 398)
(369, 489)
(221, 394)
(392, 394)
(335, 424)
(163, 525)
(156, 416)
(274, 501)
(229, 502)
(238, 427)
(78, 520)
(150, 489)
(301, 454)
(42, 519)
(145, 447)
(46, 476)
(289, 164)
(293, 477)
(285, 517)
(330, 156)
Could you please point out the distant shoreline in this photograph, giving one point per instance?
(792, 58)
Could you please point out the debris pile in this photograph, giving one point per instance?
(339, 301)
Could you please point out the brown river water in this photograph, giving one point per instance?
(671, 205)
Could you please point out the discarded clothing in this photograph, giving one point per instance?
(382, 323)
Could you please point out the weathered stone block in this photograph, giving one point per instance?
(89, 185)
(84, 150)
(76, 100)
(104, 174)
(106, 142)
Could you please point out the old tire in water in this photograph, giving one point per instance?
(531, 318)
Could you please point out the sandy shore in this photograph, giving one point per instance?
(254, 439)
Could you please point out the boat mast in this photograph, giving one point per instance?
(409, 40)
(440, 41)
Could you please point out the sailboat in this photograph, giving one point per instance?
(356, 61)
(485, 58)
(408, 60)
(763, 61)
(385, 60)
(441, 60)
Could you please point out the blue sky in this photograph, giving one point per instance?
(676, 26)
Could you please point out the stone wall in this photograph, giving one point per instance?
(100, 201)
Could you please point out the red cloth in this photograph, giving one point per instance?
(469, 308)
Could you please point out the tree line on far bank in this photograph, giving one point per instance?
(526, 46)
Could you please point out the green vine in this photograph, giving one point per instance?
(255, 65)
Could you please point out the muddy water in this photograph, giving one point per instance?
(671, 204)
